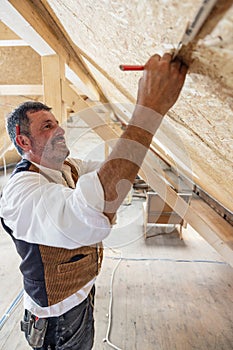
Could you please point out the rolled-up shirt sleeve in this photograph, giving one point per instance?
(46, 213)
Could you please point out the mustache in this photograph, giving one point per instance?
(56, 139)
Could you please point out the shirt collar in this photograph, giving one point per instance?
(54, 175)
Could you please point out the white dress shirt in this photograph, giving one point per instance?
(40, 209)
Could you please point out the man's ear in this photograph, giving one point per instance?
(23, 142)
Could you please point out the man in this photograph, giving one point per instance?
(58, 210)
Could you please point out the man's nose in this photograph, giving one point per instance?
(59, 131)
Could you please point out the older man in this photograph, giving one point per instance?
(58, 210)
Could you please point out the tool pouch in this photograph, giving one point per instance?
(34, 329)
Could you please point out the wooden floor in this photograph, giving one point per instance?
(167, 294)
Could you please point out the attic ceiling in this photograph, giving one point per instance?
(94, 37)
(201, 123)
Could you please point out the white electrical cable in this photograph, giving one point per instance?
(11, 308)
(169, 260)
(106, 339)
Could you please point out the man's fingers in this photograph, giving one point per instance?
(156, 56)
(183, 68)
(166, 57)
(179, 66)
(153, 60)
(176, 64)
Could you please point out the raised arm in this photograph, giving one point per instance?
(158, 90)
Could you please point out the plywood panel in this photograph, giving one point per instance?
(20, 65)
(6, 33)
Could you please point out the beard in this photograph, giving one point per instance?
(55, 151)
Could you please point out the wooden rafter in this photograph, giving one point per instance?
(42, 18)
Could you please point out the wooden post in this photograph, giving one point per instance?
(53, 71)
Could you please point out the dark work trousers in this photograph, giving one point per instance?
(73, 330)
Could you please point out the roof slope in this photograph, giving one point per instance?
(110, 33)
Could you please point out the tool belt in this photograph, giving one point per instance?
(34, 329)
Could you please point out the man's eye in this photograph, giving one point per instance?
(47, 126)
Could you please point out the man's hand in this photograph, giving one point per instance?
(161, 83)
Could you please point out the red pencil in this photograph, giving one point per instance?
(17, 129)
(130, 67)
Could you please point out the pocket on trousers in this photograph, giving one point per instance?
(81, 337)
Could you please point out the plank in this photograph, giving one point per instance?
(53, 71)
(194, 216)
(26, 89)
(221, 226)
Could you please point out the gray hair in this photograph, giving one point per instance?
(19, 116)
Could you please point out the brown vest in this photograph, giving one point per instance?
(68, 270)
